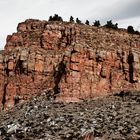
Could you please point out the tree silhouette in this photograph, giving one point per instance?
(87, 22)
(137, 32)
(50, 18)
(78, 21)
(97, 23)
(71, 19)
(55, 18)
(130, 30)
(111, 25)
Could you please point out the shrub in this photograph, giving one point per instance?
(55, 18)
(130, 30)
(78, 21)
(111, 25)
(50, 18)
(87, 22)
(97, 23)
(137, 32)
(71, 19)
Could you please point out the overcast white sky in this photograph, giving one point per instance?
(124, 12)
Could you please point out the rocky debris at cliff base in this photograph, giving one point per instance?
(109, 118)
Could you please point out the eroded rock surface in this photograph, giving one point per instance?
(76, 61)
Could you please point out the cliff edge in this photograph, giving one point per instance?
(72, 60)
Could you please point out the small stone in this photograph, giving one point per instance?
(13, 128)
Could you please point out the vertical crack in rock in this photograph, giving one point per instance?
(4, 95)
(122, 61)
(123, 65)
(16, 99)
(6, 69)
(131, 67)
(58, 74)
(41, 41)
(110, 80)
(70, 36)
(103, 72)
(19, 67)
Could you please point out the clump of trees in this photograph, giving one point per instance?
(72, 20)
(131, 30)
(97, 23)
(111, 25)
(55, 18)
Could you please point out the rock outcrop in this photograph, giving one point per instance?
(75, 61)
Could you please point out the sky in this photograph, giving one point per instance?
(123, 12)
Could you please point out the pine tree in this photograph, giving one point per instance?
(50, 18)
(71, 19)
(111, 25)
(130, 29)
(97, 23)
(87, 22)
(78, 21)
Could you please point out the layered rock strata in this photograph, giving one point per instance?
(75, 61)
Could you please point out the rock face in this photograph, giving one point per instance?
(75, 61)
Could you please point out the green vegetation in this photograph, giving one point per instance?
(55, 18)
(78, 21)
(111, 25)
(87, 22)
(131, 30)
(71, 19)
(96, 23)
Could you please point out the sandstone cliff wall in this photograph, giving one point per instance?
(75, 61)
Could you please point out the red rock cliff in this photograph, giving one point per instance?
(76, 61)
